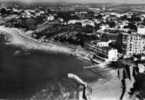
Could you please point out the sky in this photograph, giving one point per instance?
(84, 1)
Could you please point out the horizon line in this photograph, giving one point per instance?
(69, 2)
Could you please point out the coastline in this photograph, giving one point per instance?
(18, 38)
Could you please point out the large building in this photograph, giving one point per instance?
(134, 44)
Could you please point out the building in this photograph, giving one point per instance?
(104, 44)
(98, 50)
(141, 30)
(50, 18)
(134, 44)
(113, 55)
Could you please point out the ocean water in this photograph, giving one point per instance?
(23, 73)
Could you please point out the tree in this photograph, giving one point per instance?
(131, 26)
(111, 24)
(88, 29)
(104, 37)
(64, 15)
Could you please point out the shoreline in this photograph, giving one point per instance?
(18, 38)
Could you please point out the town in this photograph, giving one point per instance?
(103, 33)
(95, 29)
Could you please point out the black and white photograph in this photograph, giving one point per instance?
(72, 49)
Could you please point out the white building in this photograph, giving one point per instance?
(103, 27)
(88, 22)
(104, 44)
(116, 14)
(141, 30)
(135, 45)
(141, 68)
(83, 22)
(50, 18)
(113, 55)
(73, 21)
